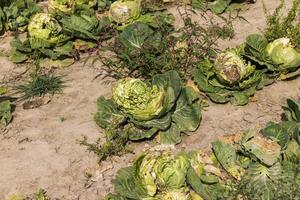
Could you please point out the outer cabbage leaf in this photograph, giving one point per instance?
(187, 114)
(265, 150)
(227, 157)
(260, 182)
(219, 6)
(292, 110)
(172, 85)
(128, 184)
(170, 136)
(5, 112)
(82, 26)
(108, 116)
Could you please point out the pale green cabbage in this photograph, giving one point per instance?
(138, 99)
(283, 53)
(163, 172)
(46, 28)
(123, 12)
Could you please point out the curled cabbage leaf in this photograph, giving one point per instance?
(138, 99)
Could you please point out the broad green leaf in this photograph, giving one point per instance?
(5, 112)
(239, 98)
(18, 57)
(134, 35)
(292, 110)
(211, 191)
(255, 46)
(135, 133)
(292, 152)
(162, 123)
(187, 114)
(128, 184)
(108, 116)
(260, 182)
(281, 132)
(81, 26)
(171, 82)
(219, 6)
(170, 136)
(227, 157)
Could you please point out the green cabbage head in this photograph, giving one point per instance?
(138, 99)
(231, 68)
(61, 6)
(163, 172)
(283, 53)
(46, 28)
(123, 12)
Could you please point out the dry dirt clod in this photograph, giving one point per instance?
(37, 102)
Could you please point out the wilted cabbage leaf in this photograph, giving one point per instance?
(266, 150)
(227, 157)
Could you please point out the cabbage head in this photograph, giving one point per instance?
(46, 29)
(124, 12)
(161, 172)
(231, 68)
(283, 53)
(61, 6)
(138, 99)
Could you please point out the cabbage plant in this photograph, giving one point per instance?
(230, 77)
(279, 56)
(141, 109)
(250, 165)
(45, 31)
(124, 13)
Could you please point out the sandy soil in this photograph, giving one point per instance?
(40, 148)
